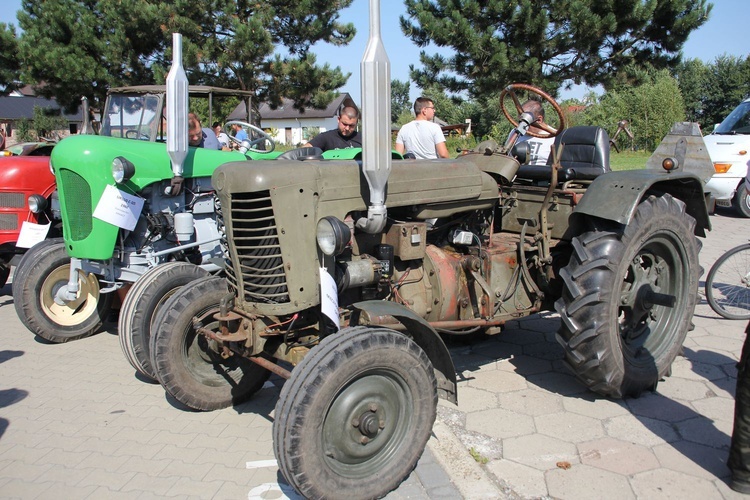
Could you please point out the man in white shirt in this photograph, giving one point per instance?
(422, 136)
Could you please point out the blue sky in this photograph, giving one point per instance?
(724, 33)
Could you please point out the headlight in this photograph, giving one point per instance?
(37, 203)
(122, 170)
(332, 235)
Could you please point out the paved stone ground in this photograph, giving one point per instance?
(75, 422)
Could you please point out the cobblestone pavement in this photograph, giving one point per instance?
(75, 422)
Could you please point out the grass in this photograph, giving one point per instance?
(478, 456)
(628, 160)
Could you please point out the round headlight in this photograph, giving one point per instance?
(122, 170)
(37, 203)
(332, 235)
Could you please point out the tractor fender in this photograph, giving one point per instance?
(381, 313)
(615, 195)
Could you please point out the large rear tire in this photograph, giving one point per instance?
(187, 364)
(43, 270)
(628, 299)
(355, 416)
(142, 303)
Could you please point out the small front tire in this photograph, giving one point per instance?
(141, 305)
(356, 414)
(188, 365)
(44, 270)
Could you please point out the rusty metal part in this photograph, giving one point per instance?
(390, 321)
(270, 366)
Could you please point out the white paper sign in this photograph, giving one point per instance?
(31, 234)
(329, 297)
(118, 208)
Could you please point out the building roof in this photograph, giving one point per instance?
(288, 111)
(15, 108)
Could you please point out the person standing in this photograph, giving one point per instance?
(422, 136)
(344, 136)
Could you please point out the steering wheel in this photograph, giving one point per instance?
(258, 131)
(548, 130)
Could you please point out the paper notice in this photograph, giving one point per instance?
(329, 297)
(119, 208)
(31, 234)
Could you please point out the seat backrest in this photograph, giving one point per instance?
(585, 156)
(309, 153)
(585, 153)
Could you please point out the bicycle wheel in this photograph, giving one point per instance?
(728, 284)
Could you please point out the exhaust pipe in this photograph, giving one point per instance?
(375, 74)
(177, 108)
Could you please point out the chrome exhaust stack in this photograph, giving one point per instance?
(375, 74)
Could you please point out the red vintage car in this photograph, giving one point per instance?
(25, 180)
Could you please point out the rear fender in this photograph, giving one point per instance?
(615, 196)
(422, 333)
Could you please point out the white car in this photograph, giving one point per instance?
(729, 147)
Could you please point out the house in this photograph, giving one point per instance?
(20, 104)
(292, 126)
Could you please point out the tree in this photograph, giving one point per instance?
(400, 100)
(727, 84)
(692, 77)
(82, 48)
(10, 69)
(548, 42)
(651, 108)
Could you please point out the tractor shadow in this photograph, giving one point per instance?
(528, 348)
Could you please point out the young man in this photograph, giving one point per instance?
(422, 136)
(239, 133)
(539, 147)
(200, 137)
(345, 135)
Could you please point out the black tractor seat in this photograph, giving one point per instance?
(585, 156)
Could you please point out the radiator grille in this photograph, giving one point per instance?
(77, 204)
(12, 200)
(256, 242)
(8, 222)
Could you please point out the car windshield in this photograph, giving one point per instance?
(132, 117)
(738, 121)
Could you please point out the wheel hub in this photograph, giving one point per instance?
(369, 423)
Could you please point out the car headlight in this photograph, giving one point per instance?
(332, 235)
(122, 170)
(37, 203)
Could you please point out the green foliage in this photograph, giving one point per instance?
(10, 70)
(651, 108)
(47, 122)
(478, 457)
(82, 48)
(400, 101)
(548, 42)
(24, 130)
(711, 91)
